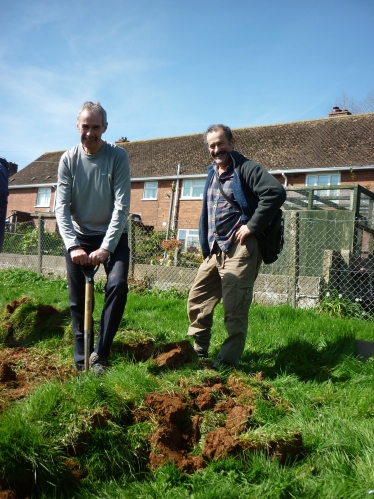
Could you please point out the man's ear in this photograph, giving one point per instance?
(106, 126)
(232, 143)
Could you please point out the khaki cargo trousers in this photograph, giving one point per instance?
(228, 276)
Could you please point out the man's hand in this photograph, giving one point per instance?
(241, 234)
(98, 256)
(80, 257)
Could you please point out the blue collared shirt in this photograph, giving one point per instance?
(223, 218)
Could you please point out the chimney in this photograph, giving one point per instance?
(13, 168)
(336, 111)
(121, 140)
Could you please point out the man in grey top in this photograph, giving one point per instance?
(93, 200)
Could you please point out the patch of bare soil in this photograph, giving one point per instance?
(10, 307)
(179, 418)
(23, 369)
(170, 355)
(7, 494)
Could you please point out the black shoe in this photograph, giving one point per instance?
(219, 365)
(98, 364)
(203, 355)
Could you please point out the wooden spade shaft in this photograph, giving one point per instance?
(88, 309)
(88, 320)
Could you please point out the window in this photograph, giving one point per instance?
(44, 197)
(325, 179)
(189, 238)
(150, 190)
(193, 188)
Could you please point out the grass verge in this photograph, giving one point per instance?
(77, 437)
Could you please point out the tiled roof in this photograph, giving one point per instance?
(322, 143)
(338, 141)
(41, 171)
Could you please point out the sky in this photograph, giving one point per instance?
(164, 68)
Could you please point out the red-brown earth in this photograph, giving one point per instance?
(176, 417)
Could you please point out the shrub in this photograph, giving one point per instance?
(336, 304)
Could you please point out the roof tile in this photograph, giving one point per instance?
(322, 143)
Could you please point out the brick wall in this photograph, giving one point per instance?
(25, 200)
(364, 177)
(156, 212)
(22, 200)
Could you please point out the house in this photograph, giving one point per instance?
(168, 174)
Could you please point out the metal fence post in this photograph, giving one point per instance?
(40, 243)
(293, 265)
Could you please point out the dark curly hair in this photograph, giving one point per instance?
(215, 128)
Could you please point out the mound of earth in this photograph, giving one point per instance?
(25, 319)
(23, 369)
(7, 494)
(179, 418)
(170, 355)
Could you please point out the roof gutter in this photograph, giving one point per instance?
(28, 186)
(169, 177)
(325, 169)
(272, 172)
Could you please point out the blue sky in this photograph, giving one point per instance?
(163, 68)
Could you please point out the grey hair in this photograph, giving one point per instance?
(94, 107)
(215, 128)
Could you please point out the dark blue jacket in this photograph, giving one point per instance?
(258, 193)
(4, 177)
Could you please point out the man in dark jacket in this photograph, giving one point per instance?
(229, 224)
(4, 176)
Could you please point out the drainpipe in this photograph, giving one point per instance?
(176, 199)
(285, 179)
(171, 204)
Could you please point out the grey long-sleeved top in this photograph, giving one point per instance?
(93, 194)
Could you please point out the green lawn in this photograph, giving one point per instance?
(307, 359)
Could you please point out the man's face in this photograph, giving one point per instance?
(91, 128)
(219, 147)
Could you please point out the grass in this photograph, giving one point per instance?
(313, 384)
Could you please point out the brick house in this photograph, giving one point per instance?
(168, 174)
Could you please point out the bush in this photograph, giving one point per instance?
(336, 304)
(26, 241)
(147, 245)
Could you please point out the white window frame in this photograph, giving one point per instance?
(150, 190)
(318, 176)
(318, 181)
(187, 236)
(43, 198)
(189, 189)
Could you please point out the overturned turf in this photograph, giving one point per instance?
(191, 426)
(180, 417)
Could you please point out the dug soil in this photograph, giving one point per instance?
(192, 426)
(22, 369)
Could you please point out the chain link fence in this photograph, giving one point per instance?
(327, 260)
(30, 245)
